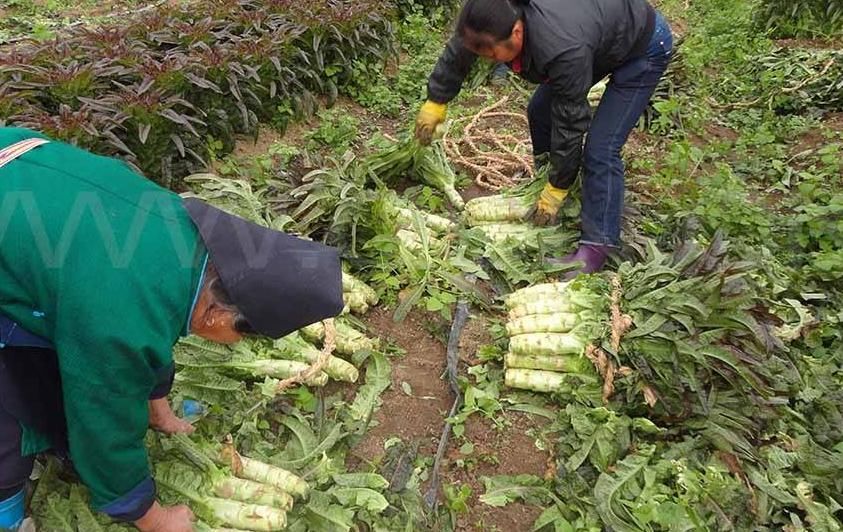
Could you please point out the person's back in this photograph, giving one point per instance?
(77, 229)
(612, 30)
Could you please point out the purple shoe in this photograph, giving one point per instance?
(591, 256)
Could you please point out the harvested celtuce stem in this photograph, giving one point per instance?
(294, 346)
(409, 239)
(413, 242)
(432, 167)
(547, 344)
(536, 380)
(278, 369)
(566, 302)
(543, 323)
(355, 285)
(535, 292)
(356, 302)
(243, 490)
(199, 353)
(496, 209)
(248, 516)
(499, 232)
(561, 363)
(258, 471)
(349, 339)
(437, 223)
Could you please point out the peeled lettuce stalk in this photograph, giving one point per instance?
(559, 322)
(536, 380)
(536, 292)
(498, 208)
(547, 344)
(558, 363)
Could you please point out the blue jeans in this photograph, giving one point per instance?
(627, 94)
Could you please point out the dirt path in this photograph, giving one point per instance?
(415, 418)
(418, 418)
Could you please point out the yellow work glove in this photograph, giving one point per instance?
(550, 200)
(430, 115)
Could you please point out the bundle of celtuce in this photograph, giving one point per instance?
(696, 329)
(407, 158)
(415, 229)
(688, 323)
(224, 488)
(549, 327)
(261, 360)
(295, 347)
(349, 340)
(512, 206)
(248, 358)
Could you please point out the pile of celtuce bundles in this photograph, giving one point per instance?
(226, 489)
(550, 326)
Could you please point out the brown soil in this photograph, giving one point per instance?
(507, 451)
(419, 417)
(253, 147)
(474, 191)
(475, 334)
(834, 121)
(820, 44)
(816, 138)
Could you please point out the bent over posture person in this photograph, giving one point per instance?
(101, 271)
(566, 46)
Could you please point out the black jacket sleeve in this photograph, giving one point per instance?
(450, 71)
(570, 76)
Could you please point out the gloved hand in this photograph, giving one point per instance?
(430, 115)
(550, 200)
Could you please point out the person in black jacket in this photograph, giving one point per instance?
(566, 46)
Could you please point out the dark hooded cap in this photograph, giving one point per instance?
(279, 282)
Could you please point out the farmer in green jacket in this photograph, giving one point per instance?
(101, 272)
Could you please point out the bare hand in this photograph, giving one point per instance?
(166, 519)
(163, 419)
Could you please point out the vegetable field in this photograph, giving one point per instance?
(696, 384)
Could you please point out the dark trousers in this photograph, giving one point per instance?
(30, 393)
(14, 468)
(627, 95)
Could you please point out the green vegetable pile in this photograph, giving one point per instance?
(678, 403)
